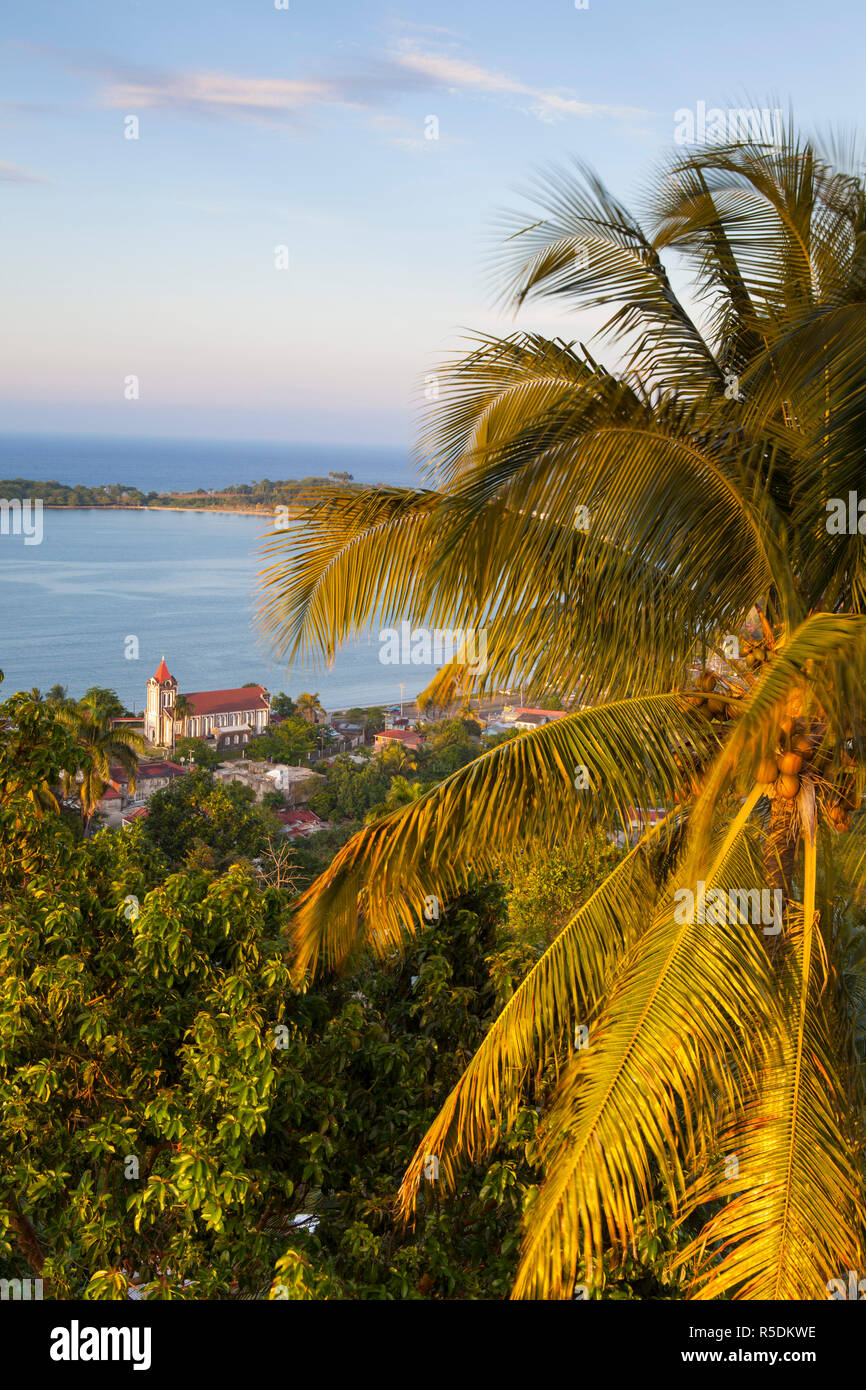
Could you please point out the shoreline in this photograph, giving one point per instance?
(117, 507)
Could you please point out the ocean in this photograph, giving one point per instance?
(181, 584)
(181, 465)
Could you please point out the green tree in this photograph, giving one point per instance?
(197, 751)
(181, 709)
(612, 532)
(103, 703)
(372, 720)
(309, 706)
(178, 1112)
(102, 745)
(197, 811)
(400, 793)
(59, 695)
(283, 706)
(291, 742)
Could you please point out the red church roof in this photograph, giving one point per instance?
(242, 701)
(162, 672)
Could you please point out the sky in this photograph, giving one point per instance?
(307, 128)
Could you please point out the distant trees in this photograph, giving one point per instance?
(54, 494)
(309, 706)
(59, 695)
(195, 750)
(199, 820)
(372, 720)
(292, 741)
(283, 706)
(102, 702)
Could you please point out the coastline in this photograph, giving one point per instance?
(118, 507)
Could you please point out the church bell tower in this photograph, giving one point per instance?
(161, 692)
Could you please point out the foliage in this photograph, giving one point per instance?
(177, 1112)
(289, 742)
(372, 720)
(618, 536)
(197, 751)
(102, 744)
(196, 812)
(283, 705)
(102, 703)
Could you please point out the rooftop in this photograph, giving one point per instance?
(162, 673)
(241, 700)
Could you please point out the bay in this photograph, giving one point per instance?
(184, 585)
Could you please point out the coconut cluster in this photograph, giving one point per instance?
(711, 700)
(801, 753)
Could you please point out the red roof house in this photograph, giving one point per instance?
(408, 738)
(300, 822)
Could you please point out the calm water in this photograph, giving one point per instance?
(183, 584)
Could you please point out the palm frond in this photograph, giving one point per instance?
(541, 787)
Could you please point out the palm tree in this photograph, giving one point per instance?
(401, 792)
(617, 535)
(309, 707)
(59, 695)
(101, 745)
(180, 710)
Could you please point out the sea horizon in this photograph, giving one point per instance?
(167, 463)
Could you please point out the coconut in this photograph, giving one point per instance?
(767, 771)
(839, 817)
(706, 681)
(788, 786)
(790, 763)
(804, 746)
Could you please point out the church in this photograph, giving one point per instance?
(223, 718)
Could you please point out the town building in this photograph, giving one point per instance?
(297, 825)
(151, 777)
(401, 738)
(297, 784)
(222, 718)
(346, 735)
(532, 718)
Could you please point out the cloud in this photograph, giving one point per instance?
(220, 93)
(371, 86)
(10, 173)
(443, 69)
